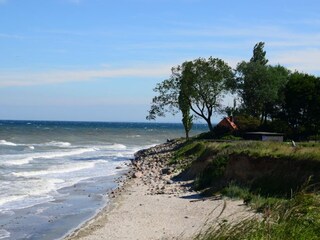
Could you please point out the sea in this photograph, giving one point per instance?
(54, 176)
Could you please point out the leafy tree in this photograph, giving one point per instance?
(167, 99)
(184, 106)
(259, 85)
(247, 123)
(249, 86)
(207, 84)
(201, 84)
(273, 95)
(302, 103)
(259, 55)
(187, 118)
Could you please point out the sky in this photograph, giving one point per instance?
(99, 60)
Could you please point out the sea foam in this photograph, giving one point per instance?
(27, 158)
(56, 170)
(6, 143)
(28, 193)
(58, 144)
(18, 161)
(115, 146)
(4, 234)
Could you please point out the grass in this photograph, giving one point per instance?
(302, 151)
(189, 151)
(288, 216)
(306, 151)
(213, 172)
(214, 157)
(295, 218)
(254, 200)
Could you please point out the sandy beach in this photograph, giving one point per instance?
(150, 205)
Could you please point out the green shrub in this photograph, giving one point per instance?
(231, 137)
(205, 135)
(247, 123)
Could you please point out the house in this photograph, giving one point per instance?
(264, 136)
(227, 122)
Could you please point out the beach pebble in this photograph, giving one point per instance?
(169, 182)
(166, 170)
(137, 174)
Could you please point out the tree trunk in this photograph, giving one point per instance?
(209, 124)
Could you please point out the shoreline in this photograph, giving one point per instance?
(110, 200)
(149, 204)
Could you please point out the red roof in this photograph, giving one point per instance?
(227, 122)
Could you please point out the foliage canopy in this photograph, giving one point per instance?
(198, 84)
(271, 97)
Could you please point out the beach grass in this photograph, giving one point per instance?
(302, 151)
(291, 215)
(295, 218)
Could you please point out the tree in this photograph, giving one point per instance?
(187, 118)
(302, 103)
(259, 55)
(167, 99)
(184, 106)
(259, 85)
(274, 91)
(201, 84)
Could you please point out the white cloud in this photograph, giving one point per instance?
(11, 79)
(302, 60)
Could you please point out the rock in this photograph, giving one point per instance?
(137, 174)
(166, 170)
(118, 167)
(169, 182)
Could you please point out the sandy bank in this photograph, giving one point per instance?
(152, 206)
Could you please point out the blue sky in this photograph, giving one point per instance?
(98, 60)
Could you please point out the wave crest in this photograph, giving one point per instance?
(46, 155)
(6, 143)
(115, 146)
(56, 170)
(58, 144)
(4, 233)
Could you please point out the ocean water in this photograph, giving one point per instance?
(56, 175)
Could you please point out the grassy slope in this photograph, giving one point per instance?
(296, 217)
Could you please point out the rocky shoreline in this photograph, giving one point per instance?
(152, 166)
(149, 204)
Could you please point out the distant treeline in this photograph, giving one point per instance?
(266, 97)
